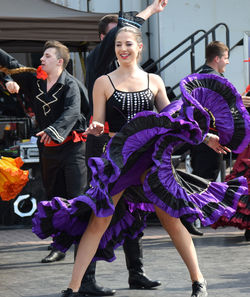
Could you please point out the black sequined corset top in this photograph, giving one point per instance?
(122, 106)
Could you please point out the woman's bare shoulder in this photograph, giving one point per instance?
(102, 79)
(102, 83)
(103, 86)
(155, 78)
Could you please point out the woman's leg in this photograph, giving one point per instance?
(88, 245)
(183, 243)
(181, 239)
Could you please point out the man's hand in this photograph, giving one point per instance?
(159, 5)
(213, 142)
(95, 128)
(45, 138)
(12, 87)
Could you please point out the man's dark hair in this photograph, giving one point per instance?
(214, 49)
(104, 21)
(61, 50)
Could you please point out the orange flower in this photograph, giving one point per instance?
(12, 178)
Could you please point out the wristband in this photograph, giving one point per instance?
(206, 139)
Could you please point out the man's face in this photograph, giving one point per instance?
(109, 27)
(222, 62)
(49, 60)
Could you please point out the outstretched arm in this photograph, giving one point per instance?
(8, 61)
(22, 78)
(101, 57)
(156, 7)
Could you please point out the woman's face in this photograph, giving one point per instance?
(127, 49)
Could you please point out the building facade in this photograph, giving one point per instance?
(180, 19)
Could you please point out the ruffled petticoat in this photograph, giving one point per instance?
(146, 144)
(241, 219)
(12, 178)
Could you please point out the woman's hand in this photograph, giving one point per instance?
(246, 101)
(12, 87)
(95, 128)
(212, 141)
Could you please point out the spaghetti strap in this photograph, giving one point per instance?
(148, 80)
(111, 82)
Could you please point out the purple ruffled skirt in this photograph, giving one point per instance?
(147, 143)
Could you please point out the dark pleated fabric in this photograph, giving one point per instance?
(241, 219)
(147, 143)
(224, 104)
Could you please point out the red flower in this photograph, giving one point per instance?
(41, 74)
(247, 89)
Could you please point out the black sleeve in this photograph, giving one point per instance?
(8, 61)
(5, 78)
(62, 127)
(84, 98)
(23, 79)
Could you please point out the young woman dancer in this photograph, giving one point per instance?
(129, 81)
(118, 97)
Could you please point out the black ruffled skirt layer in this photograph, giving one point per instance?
(146, 144)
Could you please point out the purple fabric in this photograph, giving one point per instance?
(133, 176)
(173, 107)
(216, 103)
(148, 207)
(219, 107)
(149, 139)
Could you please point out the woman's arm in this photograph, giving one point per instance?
(212, 141)
(158, 88)
(99, 107)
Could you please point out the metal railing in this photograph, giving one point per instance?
(191, 47)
